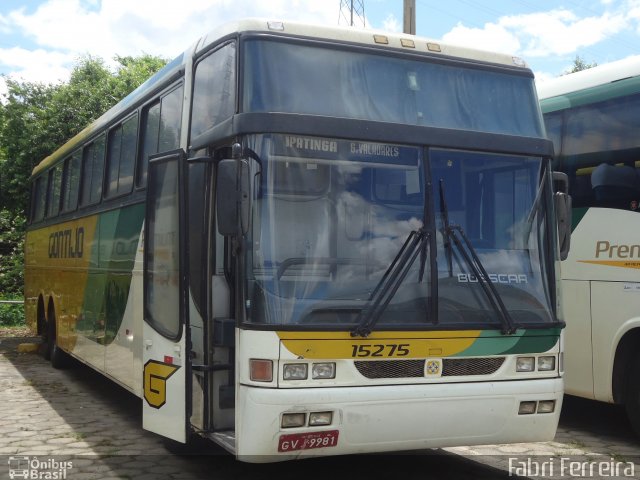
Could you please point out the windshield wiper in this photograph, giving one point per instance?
(388, 285)
(456, 233)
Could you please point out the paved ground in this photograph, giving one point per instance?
(77, 416)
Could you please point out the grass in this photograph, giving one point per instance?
(11, 315)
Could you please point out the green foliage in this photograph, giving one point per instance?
(24, 139)
(11, 315)
(11, 254)
(579, 64)
(76, 104)
(36, 119)
(11, 268)
(133, 71)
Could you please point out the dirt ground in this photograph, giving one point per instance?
(22, 331)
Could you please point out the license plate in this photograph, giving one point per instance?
(306, 441)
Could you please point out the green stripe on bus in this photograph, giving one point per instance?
(577, 215)
(601, 93)
(112, 259)
(523, 341)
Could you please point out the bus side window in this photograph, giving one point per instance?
(92, 172)
(53, 197)
(615, 186)
(161, 127)
(121, 156)
(39, 199)
(71, 182)
(214, 90)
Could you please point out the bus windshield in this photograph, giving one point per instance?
(388, 89)
(330, 217)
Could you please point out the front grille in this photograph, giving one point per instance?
(451, 367)
(459, 367)
(391, 368)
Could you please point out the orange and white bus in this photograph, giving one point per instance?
(299, 240)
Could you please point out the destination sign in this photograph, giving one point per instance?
(297, 146)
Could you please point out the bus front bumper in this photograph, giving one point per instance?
(392, 418)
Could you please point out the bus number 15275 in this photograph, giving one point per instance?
(380, 350)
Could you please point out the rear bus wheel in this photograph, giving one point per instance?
(43, 331)
(59, 359)
(632, 399)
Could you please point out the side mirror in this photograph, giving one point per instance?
(233, 197)
(560, 182)
(562, 203)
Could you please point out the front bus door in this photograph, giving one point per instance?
(164, 344)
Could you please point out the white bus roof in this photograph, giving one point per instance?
(358, 35)
(378, 38)
(592, 77)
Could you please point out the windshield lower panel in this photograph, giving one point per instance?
(330, 216)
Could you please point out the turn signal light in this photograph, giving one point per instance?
(260, 370)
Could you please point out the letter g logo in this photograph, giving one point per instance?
(156, 375)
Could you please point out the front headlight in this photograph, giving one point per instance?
(546, 364)
(323, 370)
(525, 364)
(294, 371)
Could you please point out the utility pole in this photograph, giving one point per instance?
(409, 17)
(352, 12)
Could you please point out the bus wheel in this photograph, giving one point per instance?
(58, 357)
(43, 331)
(632, 400)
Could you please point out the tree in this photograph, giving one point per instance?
(11, 258)
(133, 71)
(22, 131)
(578, 65)
(35, 119)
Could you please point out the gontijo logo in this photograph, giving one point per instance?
(67, 243)
(156, 375)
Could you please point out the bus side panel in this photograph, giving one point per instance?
(578, 358)
(119, 244)
(609, 260)
(57, 263)
(599, 252)
(616, 310)
(84, 268)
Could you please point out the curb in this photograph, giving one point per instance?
(28, 347)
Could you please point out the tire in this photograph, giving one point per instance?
(632, 397)
(43, 329)
(59, 359)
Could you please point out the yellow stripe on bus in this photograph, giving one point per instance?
(334, 345)
(614, 263)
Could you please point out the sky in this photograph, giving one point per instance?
(41, 39)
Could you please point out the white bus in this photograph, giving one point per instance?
(299, 240)
(593, 118)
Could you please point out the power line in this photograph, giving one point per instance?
(352, 13)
